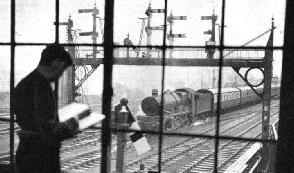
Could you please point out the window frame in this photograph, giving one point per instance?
(107, 93)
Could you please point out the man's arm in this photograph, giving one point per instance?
(48, 123)
(131, 119)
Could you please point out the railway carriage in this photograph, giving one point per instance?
(230, 97)
(259, 90)
(247, 95)
(275, 90)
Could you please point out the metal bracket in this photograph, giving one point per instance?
(237, 70)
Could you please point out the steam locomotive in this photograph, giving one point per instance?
(185, 106)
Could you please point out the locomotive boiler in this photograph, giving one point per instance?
(172, 102)
(175, 109)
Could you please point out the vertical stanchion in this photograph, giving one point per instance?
(122, 124)
(149, 14)
(107, 86)
(267, 101)
(94, 36)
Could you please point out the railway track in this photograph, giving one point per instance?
(173, 154)
(229, 151)
(91, 141)
(92, 158)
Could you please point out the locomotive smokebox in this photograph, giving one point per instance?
(172, 101)
(150, 106)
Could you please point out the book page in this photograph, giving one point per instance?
(90, 120)
(72, 110)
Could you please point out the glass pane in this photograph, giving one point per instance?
(234, 155)
(246, 20)
(73, 86)
(181, 154)
(197, 27)
(5, 22)
(239, 103)
(5, 105)
(35, 21)
(82, 27)
(130, 19)
(82, 153)
(137, 83)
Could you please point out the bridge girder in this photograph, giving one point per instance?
(238, 63)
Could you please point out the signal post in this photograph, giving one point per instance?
(210, 51)
(148, 29)
(171, 36)
(93, 33)
(68, 84)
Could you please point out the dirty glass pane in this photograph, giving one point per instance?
(249, 21)
(5, 22)
(34, 21)
(5, 105)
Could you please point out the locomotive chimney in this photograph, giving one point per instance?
(154, 92)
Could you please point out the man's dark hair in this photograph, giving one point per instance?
(53, 52)
(124, 101)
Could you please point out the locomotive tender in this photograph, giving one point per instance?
(184, 106)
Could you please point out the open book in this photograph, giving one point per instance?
(82, 113)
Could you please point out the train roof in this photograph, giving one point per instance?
(224, 90)
(245, 88)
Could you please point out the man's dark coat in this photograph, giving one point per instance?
(41, 133)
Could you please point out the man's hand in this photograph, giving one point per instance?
(73, 125)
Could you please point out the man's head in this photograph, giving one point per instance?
(124, 101)
(55, 59)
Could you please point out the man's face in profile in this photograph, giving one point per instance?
(57, 68)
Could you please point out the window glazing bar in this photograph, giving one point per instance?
(107, 86)
(12, 61)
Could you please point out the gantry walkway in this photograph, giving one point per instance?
(180, 57)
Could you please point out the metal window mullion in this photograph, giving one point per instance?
(164, 47)
(221, 48)
(107, 86)
(57, 22)
(12, 62)
(56, 82)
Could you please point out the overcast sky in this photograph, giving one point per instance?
(244, 20)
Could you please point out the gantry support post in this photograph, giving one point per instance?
(267, 101)
(71, 70)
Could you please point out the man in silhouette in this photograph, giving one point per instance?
(35, 107)
(118, 108)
